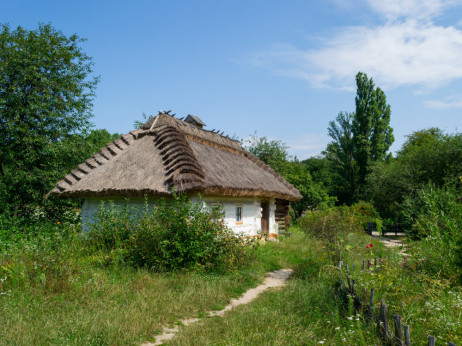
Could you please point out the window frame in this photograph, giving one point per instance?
(241, 221)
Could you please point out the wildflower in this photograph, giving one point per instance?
(337, 328)
(369, 246)
(58, 223)
(320, 342)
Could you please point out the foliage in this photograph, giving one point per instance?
(274, 153)
(372, 134)
(428, 156)
(335, 225)
(436, 217)
(340, 155)
(174, 234)
(359, 139)
(46, 93)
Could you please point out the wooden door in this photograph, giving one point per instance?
(264, 218)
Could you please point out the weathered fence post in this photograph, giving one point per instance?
(431, 340)
(370, 312)
(364, 264)
(407, 336)
(384, 320)
(398, 329)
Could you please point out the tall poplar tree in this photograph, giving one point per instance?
(372, 134)
(359, 139)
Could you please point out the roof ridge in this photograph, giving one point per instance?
(104, 155)
(182, 168)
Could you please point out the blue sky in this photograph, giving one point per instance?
(281, 68)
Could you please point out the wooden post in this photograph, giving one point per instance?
(339, 265)
(398, 329)
(346, 267)
(431, 340)
(371, 307)
(375, 262)
(364, 264)
(349, 283)
(407, 336)
(384, 319)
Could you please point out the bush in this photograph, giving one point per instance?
(333, 226)
(174, 234)
(435, 215)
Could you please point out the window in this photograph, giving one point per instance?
(239, 215)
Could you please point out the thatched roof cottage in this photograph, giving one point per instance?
(168, 152)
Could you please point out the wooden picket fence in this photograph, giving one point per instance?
(401, 334)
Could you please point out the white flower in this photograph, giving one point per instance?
(350, 317)
(328, 321)
(321, 342)
(337, 328)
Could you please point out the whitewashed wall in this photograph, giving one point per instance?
(251, 212)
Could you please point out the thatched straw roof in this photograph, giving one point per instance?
(168, 152)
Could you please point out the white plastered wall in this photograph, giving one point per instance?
(251, 212)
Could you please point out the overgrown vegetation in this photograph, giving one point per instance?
(173, 234)
(134, 271)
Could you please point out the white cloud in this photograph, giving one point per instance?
(447, 103)
(411, 51)
(417, 9)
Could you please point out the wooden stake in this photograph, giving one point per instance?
(398, 329)
(384, 319)
(407, 336)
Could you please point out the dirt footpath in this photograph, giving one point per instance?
(273, 279)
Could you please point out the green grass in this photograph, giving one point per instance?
(61, 297)
(54, 294)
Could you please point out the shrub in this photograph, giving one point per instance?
(174, 234)
(435, 215)
(333, 226)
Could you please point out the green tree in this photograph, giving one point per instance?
(274, 153)
(372, 134)
(340, 153)
(427, 157)
(46, 93)
(359, 139)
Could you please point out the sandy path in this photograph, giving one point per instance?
(273, 279)
(388, 242)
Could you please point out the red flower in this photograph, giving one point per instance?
(369, 246)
